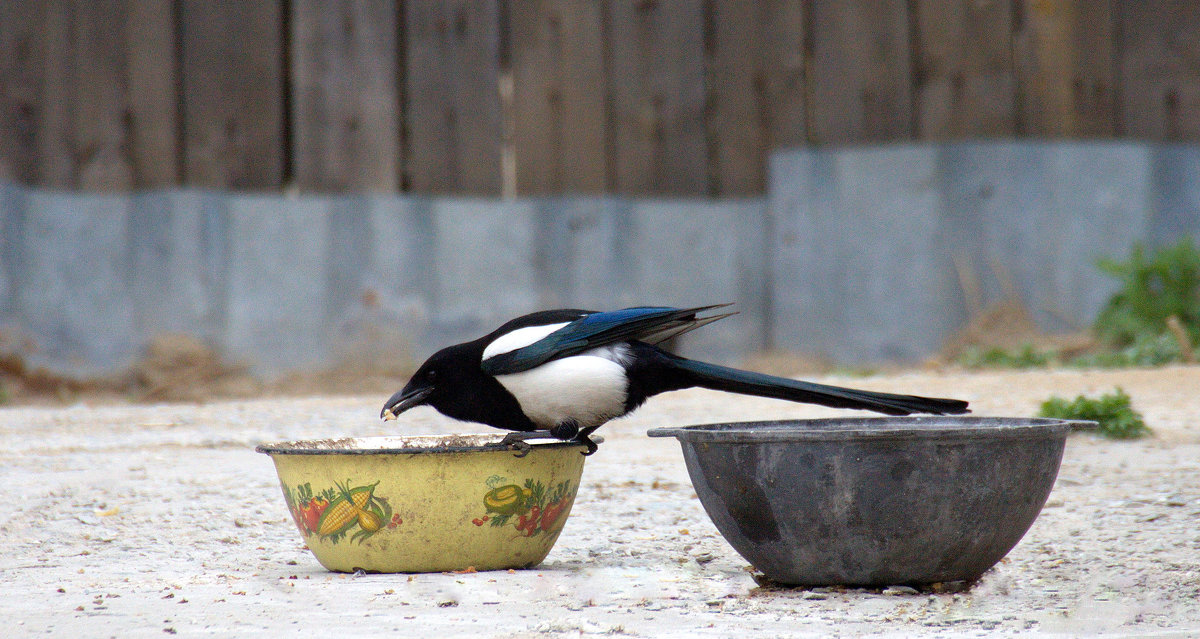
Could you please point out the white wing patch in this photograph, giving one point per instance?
(519, 338)
(589, 388)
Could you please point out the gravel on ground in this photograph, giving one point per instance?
(149, 520)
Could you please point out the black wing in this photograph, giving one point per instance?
(645, 323)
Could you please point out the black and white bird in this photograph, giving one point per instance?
(564, 373)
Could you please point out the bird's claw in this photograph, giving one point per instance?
(522, 448)
(584, 438)
(591, 446)
(516, 441)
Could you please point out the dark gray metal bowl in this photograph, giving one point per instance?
(874, 501)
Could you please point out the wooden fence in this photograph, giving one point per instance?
(535, 97)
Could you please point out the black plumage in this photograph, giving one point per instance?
(564, 373)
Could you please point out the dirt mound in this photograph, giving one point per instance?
(1009, 326)
(183, 368)
(21, 382)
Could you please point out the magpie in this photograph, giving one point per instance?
(561, 374)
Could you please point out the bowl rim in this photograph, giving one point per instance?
(363, 445)
(874, 428)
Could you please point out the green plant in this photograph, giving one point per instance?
(1113, 411)
(1025, 357)
(1147, 350)
(1153, 288)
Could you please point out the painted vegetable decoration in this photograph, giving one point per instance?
(532, 509)
(506, 500)
(343, 510)
(333, 513)
(306, 508)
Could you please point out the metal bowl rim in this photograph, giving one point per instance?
(873, 428)
(331, 446)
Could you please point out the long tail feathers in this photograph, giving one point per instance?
(732, 380)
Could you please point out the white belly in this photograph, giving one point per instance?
(589, 388)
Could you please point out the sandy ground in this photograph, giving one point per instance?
(160, 519)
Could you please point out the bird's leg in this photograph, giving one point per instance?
(566, 431)
(517, 440)
(570, 431)
(583, 438)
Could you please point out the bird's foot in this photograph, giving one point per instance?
(591, 445)
(583, 438)
(521, 447)
(518, 440)
(566, 432)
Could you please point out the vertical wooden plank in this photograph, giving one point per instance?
(153, 100)
(738, 120)
(860, 76)
(98, 85)
(123, 116)
(756, 89)
(346, 104)
(1066, 66)
(784, 32)
(657, 97)
(55, 150)
(965, 78)
(1160, 77)
(560, 121)
(452, 101)
(22, 56)
(90, 91)
(232, 82)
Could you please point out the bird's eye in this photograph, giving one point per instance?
(431, 376)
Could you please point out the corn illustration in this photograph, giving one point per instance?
(339, 515)
(353, 506)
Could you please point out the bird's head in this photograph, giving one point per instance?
(433, 383)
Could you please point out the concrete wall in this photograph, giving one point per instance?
(870, 244)
(289, 282)
(856, 254)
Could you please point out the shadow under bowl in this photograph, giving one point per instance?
(427, 504)
(874, 501)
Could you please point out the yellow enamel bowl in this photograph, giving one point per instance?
(427, 504)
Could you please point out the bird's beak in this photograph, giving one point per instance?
(404, 400)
